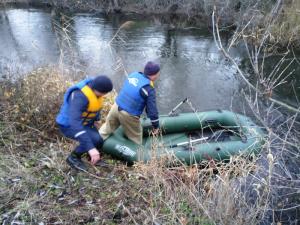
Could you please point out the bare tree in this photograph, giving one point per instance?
(283, 130)
(257, 53)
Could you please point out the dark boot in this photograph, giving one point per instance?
(75, 161)
(102, 163)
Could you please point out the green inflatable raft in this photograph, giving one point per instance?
(191, 138)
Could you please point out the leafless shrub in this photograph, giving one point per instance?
(281, 126)
(210, 193)
(34, 100)
(37, 187)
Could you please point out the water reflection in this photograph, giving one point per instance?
(92, 36)
(191, 64)
(26, 36)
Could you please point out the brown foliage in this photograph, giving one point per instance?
(35, 99)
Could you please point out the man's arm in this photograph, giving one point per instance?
(149, 95)
(78, 104)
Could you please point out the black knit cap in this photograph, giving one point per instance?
(151, 68)
(102, 84)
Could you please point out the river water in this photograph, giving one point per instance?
(191, 64)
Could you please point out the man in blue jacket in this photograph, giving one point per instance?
(137, 93)
(78, 115)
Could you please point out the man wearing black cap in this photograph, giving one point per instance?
(77, 117)
(136, 94)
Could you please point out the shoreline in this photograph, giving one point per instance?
(94, 6)
(177, 19)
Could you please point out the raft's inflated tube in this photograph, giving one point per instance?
(250, 140)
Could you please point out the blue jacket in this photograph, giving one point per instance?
(70, 115)
(63, 115)
(129, 98)
(137, 94)
(148, 92)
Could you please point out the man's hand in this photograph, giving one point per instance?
(155, 131)
(95, 155)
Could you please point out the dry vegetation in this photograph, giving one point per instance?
(258, 35)
(233, 13)
(287, 30)
(37, 186)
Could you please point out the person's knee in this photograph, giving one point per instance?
(99, 142)
(79, 150)
(95, 137)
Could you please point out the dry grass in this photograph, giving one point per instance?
(287, 29)
(37, 185)
(278, 179)
(200, 194)
(35, 99)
